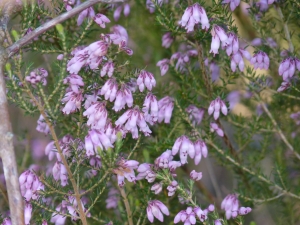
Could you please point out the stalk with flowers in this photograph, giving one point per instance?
(200, 128)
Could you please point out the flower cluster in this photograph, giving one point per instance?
(193, 15)
(231, 206)
(232, 3)
(287, 68)
(188, 216)
(118, 11)
(216, 106)
(195, 114)
(42, 126)
(145, 79)
(37, 76)
(125, 169)
(30, 185)
(156, 209)
(167, 40)
(218, 36)
(187, 147)
(260, 60)
(131, 120)
(215, 128)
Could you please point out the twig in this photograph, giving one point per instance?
(96, 199)
(212, 177)
(226, 140)
(95, 185)
(59, 150)
(51, 210)
(203, 71)
(282, 136)
(200, 185)
(247, 127)
(281, 93)
(173, 129)
(260, 177)
(262, 200)
(46, 26)
(286, 29)
(127, 206)
(135, 147)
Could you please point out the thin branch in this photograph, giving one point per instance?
(96, 184)
(135, 147)
(281, 93)
(213, 179)
(262, 200)
(286, 29)
(127, 206)
(282, 136)
(59, 150)
(247, 127)
(52, 211)
(238, 164)
(260, 177)
(48, 25)
(200, 186)
(203, 70)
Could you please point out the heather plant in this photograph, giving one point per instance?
(159, 112)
